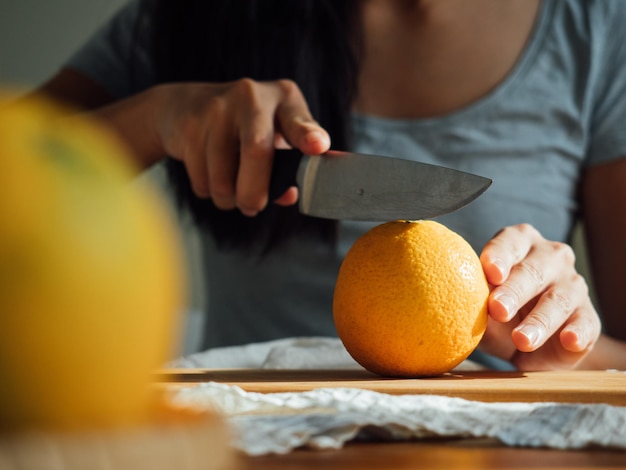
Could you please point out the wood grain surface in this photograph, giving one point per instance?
(438, 454)
(607, 387)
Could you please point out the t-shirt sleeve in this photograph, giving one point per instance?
(608, 118)
(116, 56)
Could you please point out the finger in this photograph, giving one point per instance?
(582, 331)
(222, 161)
(552, 311)
(255, 164)
(296, 123)
(529, 277)
(279, 141)
(507, 248)
(526, 280)
(289, 198)
(575, 340)
(195, 162)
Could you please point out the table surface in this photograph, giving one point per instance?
(572, 386)
(432, 455)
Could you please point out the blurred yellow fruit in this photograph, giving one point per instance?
(410, 299)
(91, 275)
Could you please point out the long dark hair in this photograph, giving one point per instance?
(316, 43)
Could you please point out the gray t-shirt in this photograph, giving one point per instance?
(562, 108)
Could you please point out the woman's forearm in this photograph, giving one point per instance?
(134, 120)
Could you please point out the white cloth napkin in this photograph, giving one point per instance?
(288, 353)
(329, 417)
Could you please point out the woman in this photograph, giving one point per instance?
(526, 92)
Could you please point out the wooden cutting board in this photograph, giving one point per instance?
(489, 386)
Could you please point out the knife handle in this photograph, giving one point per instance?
(284, 171)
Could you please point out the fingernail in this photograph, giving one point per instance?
(497, 262)
(315, 137)
(508, 303)
(531, 332)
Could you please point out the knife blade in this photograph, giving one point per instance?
(351, 186)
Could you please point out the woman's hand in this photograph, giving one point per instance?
(541, 316)
(224, 133)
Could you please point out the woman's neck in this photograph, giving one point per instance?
(430, 57)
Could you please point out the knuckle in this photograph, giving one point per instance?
(211, 110)
(532, 271)
(542, 320)
(565, 252)
(245, 85)
(505, 237)
(559, 299)
(500, 246)
(256, 145)
(528, 230)
(215, 106)
(288, 87)
(580, 284)
(514, 291)
(246, 89)
(523, 231)
(504, 231)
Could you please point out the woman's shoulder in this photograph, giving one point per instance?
(597, 36)
(609, 11)
(116, 56)
(592, 16)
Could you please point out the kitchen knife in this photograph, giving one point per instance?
(352, 186)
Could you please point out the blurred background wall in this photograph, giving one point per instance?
(36, 36)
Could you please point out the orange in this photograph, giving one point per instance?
(91, 270)
(410, 299)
